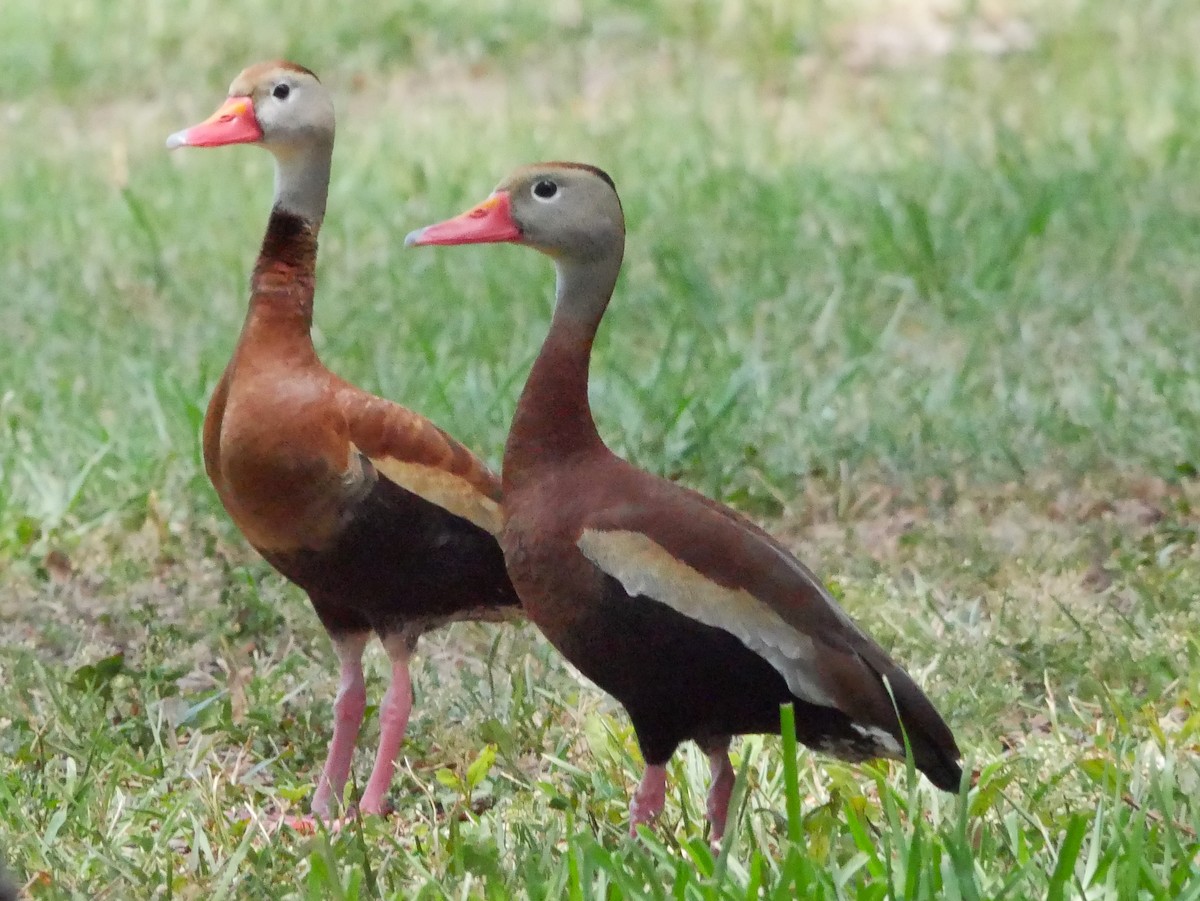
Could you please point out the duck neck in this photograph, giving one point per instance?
(302, 180)
(284, 280)
(553, 422)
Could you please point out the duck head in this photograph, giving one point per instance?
(568, 211)
(283, 107)
(277, 104)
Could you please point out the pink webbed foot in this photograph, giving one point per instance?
(311, 825)
(649, 798)
(305, 824)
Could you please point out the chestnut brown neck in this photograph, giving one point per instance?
(553, 422)
(283, 283)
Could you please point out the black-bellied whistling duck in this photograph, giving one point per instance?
(386, 522)
(697, 621)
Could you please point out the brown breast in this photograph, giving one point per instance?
(277, 453)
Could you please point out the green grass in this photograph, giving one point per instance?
(930, 317)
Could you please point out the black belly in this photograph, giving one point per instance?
(680, 679)
(402, 564)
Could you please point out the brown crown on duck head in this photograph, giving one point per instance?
(699, 622)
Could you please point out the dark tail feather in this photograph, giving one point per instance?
(939, 768)
(934, 749)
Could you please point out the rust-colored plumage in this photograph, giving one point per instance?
(387, 522)
(695, 619)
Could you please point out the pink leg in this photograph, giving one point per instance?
(347, 718)
(719, 793)
(393, 721)
(649, 798)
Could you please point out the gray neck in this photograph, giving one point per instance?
(583, 288)
(302, 181)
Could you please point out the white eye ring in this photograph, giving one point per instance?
(544, 190)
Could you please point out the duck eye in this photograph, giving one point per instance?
(545, 189)
(281, 91)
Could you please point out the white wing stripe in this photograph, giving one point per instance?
(448, 491)
(644, 568)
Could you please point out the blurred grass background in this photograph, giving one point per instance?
(914, 282)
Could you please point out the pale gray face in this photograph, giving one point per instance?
(566, 211)
(293, 109)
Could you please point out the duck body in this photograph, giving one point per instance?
(295, 454)
(678, 678)
(385, 521)
(371, 553)
(402, 565)
(697, 621)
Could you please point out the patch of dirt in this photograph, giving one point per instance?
(910, 31)
(95, 600)
(873, 519)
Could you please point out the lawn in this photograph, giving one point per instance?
(914, 284)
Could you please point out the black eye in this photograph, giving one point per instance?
(281, 91)
(545, 189)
